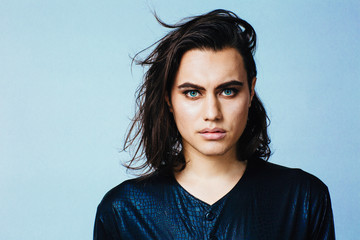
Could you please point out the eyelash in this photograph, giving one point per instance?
(234, 91)
(187, 93)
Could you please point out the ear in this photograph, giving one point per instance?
(252, 92)
(167, 100)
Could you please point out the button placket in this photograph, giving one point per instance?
(211, 213)
(209, 216)
(212, 237)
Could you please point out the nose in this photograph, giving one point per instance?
(212, 109)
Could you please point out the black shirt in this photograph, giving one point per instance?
(268, 202)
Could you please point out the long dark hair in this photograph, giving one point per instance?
(153, 131)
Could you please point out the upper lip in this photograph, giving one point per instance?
(212, 130)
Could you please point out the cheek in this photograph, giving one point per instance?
(184, 115)
(238, 114)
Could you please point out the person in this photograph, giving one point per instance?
(202, 131)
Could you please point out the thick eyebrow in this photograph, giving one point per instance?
(221, 86)
(232, 83)
(190, 85)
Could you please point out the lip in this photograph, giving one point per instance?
(213, 133)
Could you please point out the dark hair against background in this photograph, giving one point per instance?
(153, 130)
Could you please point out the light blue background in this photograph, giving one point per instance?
(67, 93)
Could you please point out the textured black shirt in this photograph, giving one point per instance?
(268, 202)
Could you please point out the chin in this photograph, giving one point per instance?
(214, 152)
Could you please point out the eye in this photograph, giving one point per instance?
(229, 92)
(192, 93)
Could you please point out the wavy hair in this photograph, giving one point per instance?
(153, 132)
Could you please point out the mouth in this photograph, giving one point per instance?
(213, 134)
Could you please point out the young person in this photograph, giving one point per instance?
(203, 133)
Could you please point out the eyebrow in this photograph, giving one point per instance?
(221, 86)
(231, 83)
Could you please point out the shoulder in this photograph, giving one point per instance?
(300, 196)
(275, 174)
(131, 191)
(283, 185)
(125, 203)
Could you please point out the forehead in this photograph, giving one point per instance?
(205, 66)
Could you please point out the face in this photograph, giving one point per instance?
(210, 100)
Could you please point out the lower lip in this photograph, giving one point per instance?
(213, 135)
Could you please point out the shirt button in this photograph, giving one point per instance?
(209, 216)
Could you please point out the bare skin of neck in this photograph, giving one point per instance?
(209, 178)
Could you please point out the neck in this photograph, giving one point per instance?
(209, 178)
(212, 167)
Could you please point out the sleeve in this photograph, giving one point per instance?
(322, 222)
(99, 228)
(104, 227)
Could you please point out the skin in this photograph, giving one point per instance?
(210, 100)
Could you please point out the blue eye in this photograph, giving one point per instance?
(228, 92)
(192, 93)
